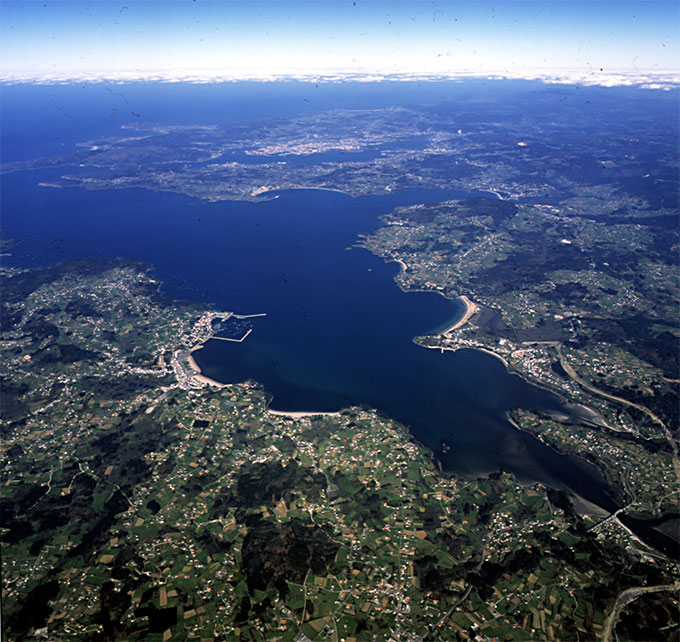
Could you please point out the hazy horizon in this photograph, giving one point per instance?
(264, 39)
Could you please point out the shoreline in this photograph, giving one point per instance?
(471, 308)
(275, 192)
(403, 267)
(510, 369)
(303, 413)
(197, 370)
(401, 263)
(582, 505)
(192, 362)
(209, 381)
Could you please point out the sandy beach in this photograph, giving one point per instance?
(493, 354)
(401, 263)
(192, 361)
(470, 309)
(198, 376)
(210, 382)
(301, 413)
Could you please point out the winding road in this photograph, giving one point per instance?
(627, 597)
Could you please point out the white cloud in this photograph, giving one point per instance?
(648, 79)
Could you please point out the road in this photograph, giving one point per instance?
(669, 438)
(625, 598)
(446, 615)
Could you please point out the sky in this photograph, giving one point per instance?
(232, 37)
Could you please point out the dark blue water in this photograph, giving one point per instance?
(338, 330)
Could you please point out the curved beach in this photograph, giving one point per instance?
(198, 376)
(471, 308)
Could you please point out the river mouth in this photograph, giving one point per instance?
(660, 533)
